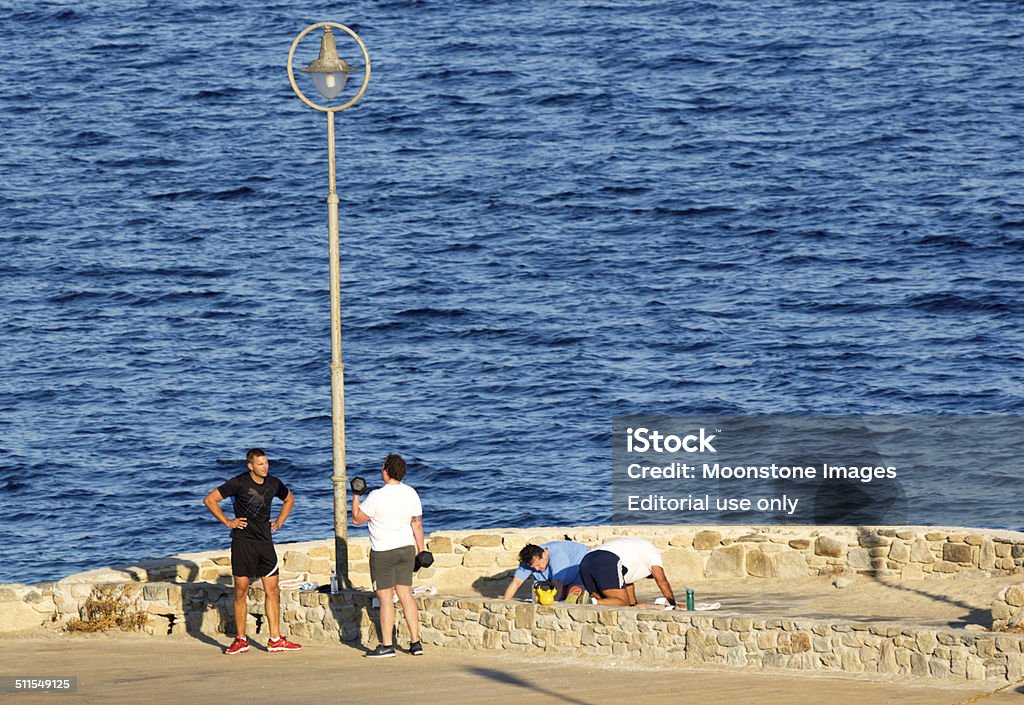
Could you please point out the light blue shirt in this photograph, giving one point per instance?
(563, 563)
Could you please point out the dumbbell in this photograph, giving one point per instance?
(358, 485)
(424, 559)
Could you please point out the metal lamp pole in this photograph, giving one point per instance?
(329, 74)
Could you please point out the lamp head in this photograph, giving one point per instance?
(328, 71)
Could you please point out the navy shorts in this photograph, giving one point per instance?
(602, 570)
(253, 559)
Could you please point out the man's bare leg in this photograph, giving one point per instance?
(387, 615)
(412, 615)
(272, 604)
(613, 596)
(241, 611)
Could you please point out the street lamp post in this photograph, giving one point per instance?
(329, 74)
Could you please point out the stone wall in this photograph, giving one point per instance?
(605, 632)
(191, 594)
(1008, 609)
(476, 562)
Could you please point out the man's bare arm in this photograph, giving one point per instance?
(358, 517)
(417, 534)
(658, 573)
(512, 588)
(286, 509)
(212, 502)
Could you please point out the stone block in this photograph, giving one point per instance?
(707, 540)
(728, 639)
(727, 562)
(681, 541)
(683, 564)
(520, 636)
(296, 562)
(921, 552)
(912, 571)
(926, 642)
(858, 559)
(780, 565)
(828, 546)
(492, 640)
(873, 540)
(439, 544)
(987, 555)
(325, 550)
(525, 616)
(800, 544)
(482, 541)
(973, 540)
(477, 558)
(899, 552)
(608, 617)
(1014, 595)
(16, 616)
(946, 567)
(155, 592)
(700, 647)
(321, 567)
(957, 553)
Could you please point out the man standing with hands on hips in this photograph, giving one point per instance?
(252, 549)
(395, 516)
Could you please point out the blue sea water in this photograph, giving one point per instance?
(551, 213)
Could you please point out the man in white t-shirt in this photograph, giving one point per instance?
(609, 571)
(396, 536)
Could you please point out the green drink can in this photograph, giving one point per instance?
(689, 599)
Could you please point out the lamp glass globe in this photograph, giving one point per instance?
(329, 84)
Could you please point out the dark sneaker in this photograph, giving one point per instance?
(381, 652)
(282, 644)
(416, 648)
(238, 646)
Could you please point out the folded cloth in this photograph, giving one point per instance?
(295, 583)
(704, 606)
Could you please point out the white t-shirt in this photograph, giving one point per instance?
(637, 556)
(391, 509)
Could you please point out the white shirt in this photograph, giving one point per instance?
(391, 509)
(637, 556)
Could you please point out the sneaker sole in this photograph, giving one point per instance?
(391, 655)
(240, 651)
(279, 649)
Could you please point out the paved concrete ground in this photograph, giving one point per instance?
(157, 671)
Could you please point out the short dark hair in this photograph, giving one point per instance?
(528, 553)
(394, 466)
(253, 454)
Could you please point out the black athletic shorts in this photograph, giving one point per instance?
(253, 559)
(390, 568)
(600, 571)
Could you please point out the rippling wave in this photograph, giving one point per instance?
(551, 213)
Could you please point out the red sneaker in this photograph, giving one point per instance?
(282, 644)
(238, 646)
